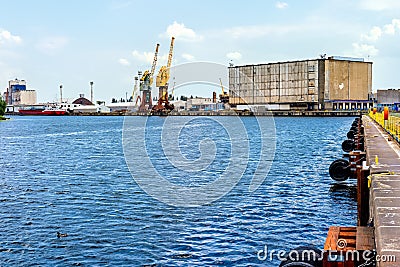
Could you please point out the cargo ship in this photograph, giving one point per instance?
(41, 110)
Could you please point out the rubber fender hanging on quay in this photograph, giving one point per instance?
(348, 145)
(339, 170)
(350, 134)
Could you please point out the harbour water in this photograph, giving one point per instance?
(69, 175)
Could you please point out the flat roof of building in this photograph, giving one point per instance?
(337, 58)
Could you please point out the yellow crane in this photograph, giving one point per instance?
(147, 77)
(163, 106)
(222, 87)
(163, 75)
(145, 84)
(224, 97)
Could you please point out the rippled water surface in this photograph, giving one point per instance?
(69, 175)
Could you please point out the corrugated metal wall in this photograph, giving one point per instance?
(308, 81)
(286, 82)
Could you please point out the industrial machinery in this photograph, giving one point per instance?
(172, 91)
(145, 84)
(163, 106)
(135, 90)
(224, 97)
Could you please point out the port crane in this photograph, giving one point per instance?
(145, 84)
(173, 89)
(163, 106)
(224, 97)
(134, 92)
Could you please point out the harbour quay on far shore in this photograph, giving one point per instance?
(278, 113)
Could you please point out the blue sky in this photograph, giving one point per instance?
(49, 43)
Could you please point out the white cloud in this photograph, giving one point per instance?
(182, 33)
(281, 5)
(144, 56)
(7, 37)
(148, 57)
(379, 5)
(51, 45)
(188, 57)
(392, 27)
(124, 62)
(234, 55)
(374, 34)
(389, 29)
(364, 46)
(365, 50)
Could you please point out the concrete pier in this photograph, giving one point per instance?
(383, 158)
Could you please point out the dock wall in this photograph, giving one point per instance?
(383, 159)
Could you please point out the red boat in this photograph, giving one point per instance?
(41, 110)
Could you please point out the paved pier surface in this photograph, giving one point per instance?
(385, 190)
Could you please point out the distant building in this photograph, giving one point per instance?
(84, 105)
(388, 98)
(24, 97)
(179, 105)
(17, 94)
(203, 104)
(91, 109)
(82, 101)
(122, 107)
(333, 83)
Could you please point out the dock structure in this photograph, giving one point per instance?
(280, 113)
(383, 159)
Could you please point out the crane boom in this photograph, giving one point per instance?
(135, 87)
(222, 87)
(224, 97)
(147, 77)
(163, 75)
(153, 67)
(171, 49)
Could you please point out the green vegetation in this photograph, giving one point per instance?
(3, 106)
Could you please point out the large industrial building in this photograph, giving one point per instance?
(17, 94)
(388, 98)
(333, 83)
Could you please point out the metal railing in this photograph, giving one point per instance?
(391, 126)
